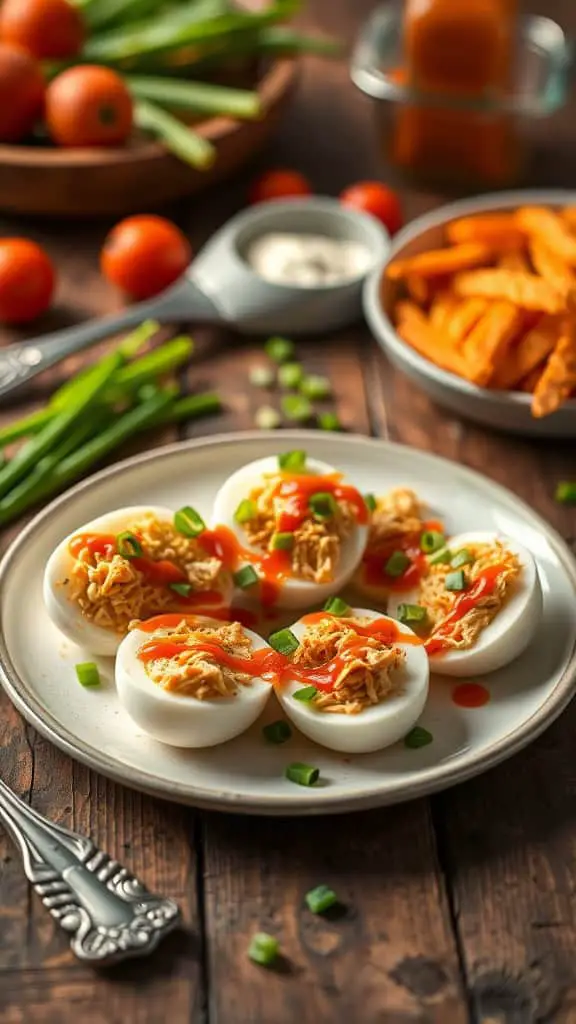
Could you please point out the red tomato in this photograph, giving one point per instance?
(48, 29)
(27, 280)
(88, 106)
(21, 93)
(142, 255)
(279, 185)
(375, 198)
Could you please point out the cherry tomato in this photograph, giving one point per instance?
(48, 29)
(142, 255)
(27, 280)
(88, 106)
(21, 93)
(279, 184)
(375, 198)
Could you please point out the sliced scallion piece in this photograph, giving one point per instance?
(302, 774)
(289, 375)
(282, 541)
(412, 613)
(566, 492)
(397, 564)
(462, 558)
(323, 505)
(267, 418)
(336, 606)
(329, 421)
(277, 732)
(128, 545)
(284, 641)
(263, 949)
(87, 674)
(296, 408)
(293, 462)
(417, 737)
(245, 577)
(306, 694)
(370, 502)
(315, 386)
(245, 512)
(321, 899)
(279, 349)
(261, 376)
(183, 589)
(189, 522)
(455, 580)
(431, 541)
(443, 557)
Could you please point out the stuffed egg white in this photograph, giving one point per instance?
(128, 564)
(299, 527)
(477, 605)
(358, 682)
(192, 682)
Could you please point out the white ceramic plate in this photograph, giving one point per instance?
(37, 663)
(508, 411)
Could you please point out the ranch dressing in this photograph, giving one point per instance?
(307, 261)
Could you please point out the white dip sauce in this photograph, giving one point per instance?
(308, 261)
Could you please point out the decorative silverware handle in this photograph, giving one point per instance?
(109, 914)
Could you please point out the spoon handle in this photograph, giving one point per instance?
(109, 914)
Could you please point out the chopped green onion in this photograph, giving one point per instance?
(87, 674)
(293, 462)
(408, 613)
(245, 512)
(245, 577)
(284, 641)
(566, 492)
(418, 737)
(297, 408)
(370, 502)
(336, 606)
(443, 557)
(329, 421)
(323, 505)
(263, 949)
(461, 558)
(180, 588)
(279, 349)
(314, 386)
(303, 774)
(261, 376)
(320, 899)
(282, 541)
(189, 522)
(128, 545)
(277, 732)
(397, 564)
(289, 375)
(179, 138)
(431, 541)
(455, 580)
(267, 418)
(306, 694)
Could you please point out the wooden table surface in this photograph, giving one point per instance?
(461, 907)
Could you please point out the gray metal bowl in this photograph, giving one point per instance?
(509, 411)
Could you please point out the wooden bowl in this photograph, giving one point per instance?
(96, 182)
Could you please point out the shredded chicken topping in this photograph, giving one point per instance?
(368, 666)
(112, 591)
(398, 513)
(439, 602)
(197, 673)
(316, 551)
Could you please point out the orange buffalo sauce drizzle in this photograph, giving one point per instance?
(375, 558)
(270, 665)
(294, 491)
(483, 584)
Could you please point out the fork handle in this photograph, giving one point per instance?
(109, 914)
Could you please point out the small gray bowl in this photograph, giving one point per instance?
(509, 411)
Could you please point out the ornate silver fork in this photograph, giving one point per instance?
(108, 913)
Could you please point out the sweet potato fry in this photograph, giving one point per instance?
(529, 382)
(417, 332)
(525, 290)
(405, 310)
(498, 230)
(464, 317)
(559, 377)
(531, 350)
(569, 217)
(441, 261)
(488, 342)
(442, 310)
(418, 289)
(552, 268)
(514, 259)
(539, 222)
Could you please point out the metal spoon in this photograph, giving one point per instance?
(220, 287)
(107, 912)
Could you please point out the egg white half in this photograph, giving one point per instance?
(293, 592)
(64, 612)
(179, 720)
(512, 628)
(375, 727)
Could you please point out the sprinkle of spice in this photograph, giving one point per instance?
(470, 695)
